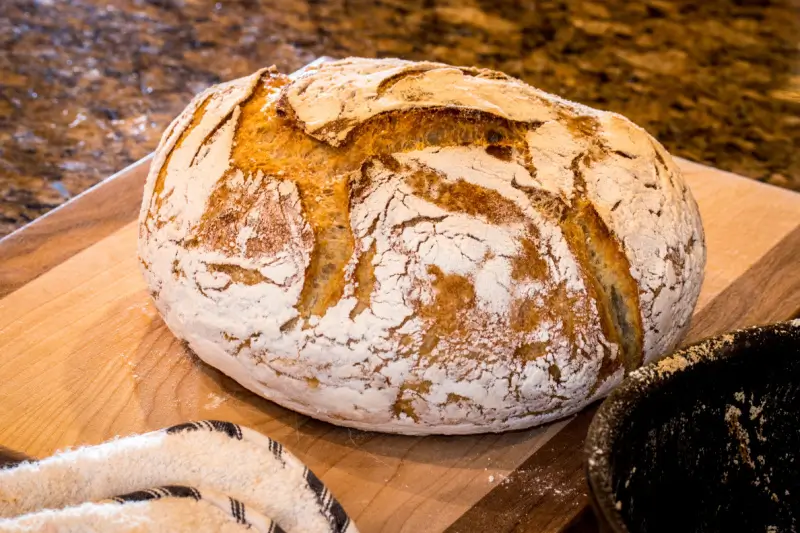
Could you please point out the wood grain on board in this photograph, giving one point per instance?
(47, 241)
(86, 357)
(743, 220)
(545, 493)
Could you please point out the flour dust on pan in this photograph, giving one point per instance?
(707, 440)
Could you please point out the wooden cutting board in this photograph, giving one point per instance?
(85, 357)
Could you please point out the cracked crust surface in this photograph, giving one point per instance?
(415, 247)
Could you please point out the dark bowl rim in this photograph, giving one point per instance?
(606, 423)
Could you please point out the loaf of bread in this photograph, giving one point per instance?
(416, 247)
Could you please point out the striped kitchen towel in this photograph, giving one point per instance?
(195, 477)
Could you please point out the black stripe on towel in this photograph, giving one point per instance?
(175, 491)
(181, 491)
(229, 428)
(219, 426)
(181, 428)
(330, 508)
(237, 511)
(277, 449)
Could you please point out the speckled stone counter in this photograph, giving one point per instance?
(87, 87)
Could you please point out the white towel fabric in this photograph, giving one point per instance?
(195, 477)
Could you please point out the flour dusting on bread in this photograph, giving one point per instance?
(415, 247)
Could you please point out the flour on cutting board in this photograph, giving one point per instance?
(214, 401)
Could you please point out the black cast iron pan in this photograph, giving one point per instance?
(707, 440)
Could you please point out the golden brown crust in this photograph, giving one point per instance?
(463, 197)
(429, 265)
(607, 273)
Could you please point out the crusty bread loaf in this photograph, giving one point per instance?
(415, 247)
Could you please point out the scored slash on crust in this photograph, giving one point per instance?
(405, 208)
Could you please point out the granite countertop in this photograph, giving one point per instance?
(87, 87)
